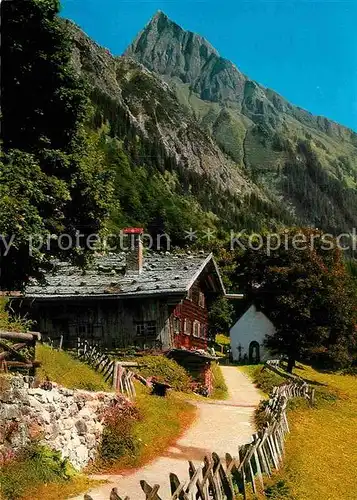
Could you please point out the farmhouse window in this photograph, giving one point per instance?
(146, 329)
(201, 299)
(203, 331)
(177, 324)
(190, 294)
(188, 327)
(84, 329)
(196, 329)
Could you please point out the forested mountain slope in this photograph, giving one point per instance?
(211, 141)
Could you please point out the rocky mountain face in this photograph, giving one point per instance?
(241, 151)
(166, 49)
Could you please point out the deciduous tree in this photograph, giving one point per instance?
(52, 178)
(306, 292)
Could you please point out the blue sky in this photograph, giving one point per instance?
(306, 50)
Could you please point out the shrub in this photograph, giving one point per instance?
(222, 339)
(15, 324)
(62, 368)
(118, 439)
(279, 491)
(266, 379)
(165, 370)
(35, 465)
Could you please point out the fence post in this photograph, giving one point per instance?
(115, 375)
(312, 397)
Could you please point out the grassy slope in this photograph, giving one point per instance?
(321, 461)
(175, 414)
(165, 370)
(264, 380)
(62, 368)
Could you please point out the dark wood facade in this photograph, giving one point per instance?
(190, 319)
(165, 306)
(152, 322)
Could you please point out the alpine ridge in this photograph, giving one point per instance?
(241, 153)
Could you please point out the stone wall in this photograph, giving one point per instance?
(70, 421)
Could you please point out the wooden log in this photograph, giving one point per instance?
(251, 476)
(28, 336)
(115, 376)
(129, 364)
(13, 350)
(312, 397)
(256, 457)
(20, 364)
(242, 456)
(215, 487)
(206, 471)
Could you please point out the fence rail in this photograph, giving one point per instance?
(113, 372)
(17, 351)
(223, 478)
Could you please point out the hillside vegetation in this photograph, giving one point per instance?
(320, 462)
(187, 151)
(141, 140)
(308, 163)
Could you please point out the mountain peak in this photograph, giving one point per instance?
(158, 14)
(166, 48)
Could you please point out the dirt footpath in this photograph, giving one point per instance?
(221, 426)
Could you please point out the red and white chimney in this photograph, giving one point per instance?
(134, 257)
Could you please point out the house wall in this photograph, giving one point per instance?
(189, 309)
(111, 322)
(252, 326)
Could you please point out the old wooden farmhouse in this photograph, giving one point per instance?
(156, 300)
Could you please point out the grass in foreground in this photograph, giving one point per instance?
(62, 368)
(40, 473)
(321, 460)
(162, 421)
(68, 489)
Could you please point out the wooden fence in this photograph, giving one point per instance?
(17, 351)
(218, 479)
(224, 479)
(114, 372)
